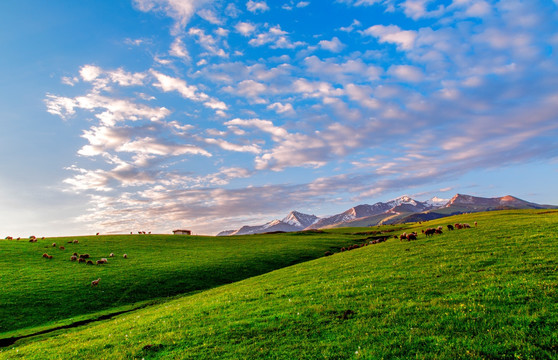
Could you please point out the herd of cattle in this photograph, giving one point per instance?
(432, 231)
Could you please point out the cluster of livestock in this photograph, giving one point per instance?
(80, 258)
(432, 231)
(32, 238)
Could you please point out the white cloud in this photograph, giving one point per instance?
(355, 24)
(277, 38)
(255, 6)
(417, 9)
(404, 39)
(124, 78)
(152, 146)
(263, 125)
(225, 145)
(245, 28)
(232, 11)
(351, 70)
(282, 108)
(221, 32)
(471, 8)
(406, 73)
(67, 80)
(90, 72)
(302, 4)
(178, 49)
(209, 16)
(315, 88)
(179, 10)
(168, 83)
(113, 110)
(208, 42)
(363, 95)
(250, 89)
(333, 45)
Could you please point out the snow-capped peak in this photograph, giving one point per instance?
(271, 223)
(299, 219)
(405, 199)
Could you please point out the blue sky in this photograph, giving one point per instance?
(120, 116)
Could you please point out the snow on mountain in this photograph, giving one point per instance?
(294, 221)
(405, 199)
(403, 207)
(299, 219)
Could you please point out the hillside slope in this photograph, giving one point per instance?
(38, 292)
(486, 292)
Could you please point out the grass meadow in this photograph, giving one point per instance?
(489, 292)
(39, 293)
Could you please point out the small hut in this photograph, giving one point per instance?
(182, 232)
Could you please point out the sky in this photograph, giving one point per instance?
(154, 115)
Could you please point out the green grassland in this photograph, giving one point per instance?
(39, 293)
(489, 292)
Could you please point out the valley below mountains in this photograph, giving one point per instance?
(400, 210)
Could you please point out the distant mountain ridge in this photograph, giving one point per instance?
(294, 221)
(399, 210)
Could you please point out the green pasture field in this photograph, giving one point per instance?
(489, 292)
(39, 293)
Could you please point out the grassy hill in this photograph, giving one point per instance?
(39, 293)
(487, 292)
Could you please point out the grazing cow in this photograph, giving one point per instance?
(411, 236)
(125, 256)
(429, 232)
(71, 241)
(95, 282)
(80, 260)
(89, 262)
(403, 236)
(111, 255)
(45, 255)
(438, 231)
(73, 258)
(53, 244)
(97, 234)
(466, 226)
(84, 256)
(62, 248)
(50, 256)
(458, 226)
(76, 241)
(99, 262)
(475, 224)
(450, 227)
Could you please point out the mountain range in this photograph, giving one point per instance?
(399, 210)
